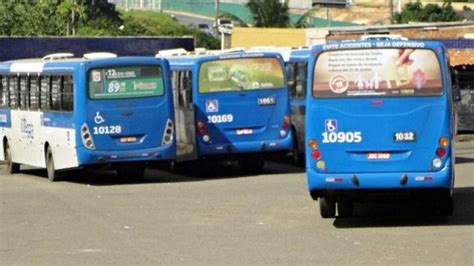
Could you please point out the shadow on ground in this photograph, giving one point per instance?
(185, 172)
(395, 214)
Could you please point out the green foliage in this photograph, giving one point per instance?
(269, 13)
(89, 18)
(415, 11)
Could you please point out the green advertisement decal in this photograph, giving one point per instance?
(240, 74)
(125, 82)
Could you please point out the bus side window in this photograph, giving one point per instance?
(3, 91)
(56, 83)
(67, 93)
(13, 90)
(300, 86)
(45, 97)
(34, 93)
(24, 92)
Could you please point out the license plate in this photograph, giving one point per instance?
(378, 156)
(128, 139)
(246, 131)
(406, 136)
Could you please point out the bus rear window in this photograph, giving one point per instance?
(240, 74)
(125, 82)
(377, 72)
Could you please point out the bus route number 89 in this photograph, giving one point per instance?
(342, 137)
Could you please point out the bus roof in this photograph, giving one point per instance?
(38, 65)
(188, 61)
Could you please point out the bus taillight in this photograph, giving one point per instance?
(443, 142)
(286, 122)
(202, 131)
(168, 133)
(440, 152)
(87, 138)
(316, 154)
(285, 126)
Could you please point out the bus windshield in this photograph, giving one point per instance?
(125, 82)
(377, 72)
(240, 74)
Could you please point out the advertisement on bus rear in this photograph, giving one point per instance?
(240, 74)
(125, 82)
(377, 72)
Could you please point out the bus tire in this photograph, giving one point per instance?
(53, 174)
(12, 168)
(130, 171)
(327, 207)
(345, 207)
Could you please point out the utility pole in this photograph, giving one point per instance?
(391, 11)
(217, 3)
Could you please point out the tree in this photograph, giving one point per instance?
(430, 13)
(269, 13)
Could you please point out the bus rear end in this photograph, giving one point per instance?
(379, 119)
(242, 106)
(128, 113)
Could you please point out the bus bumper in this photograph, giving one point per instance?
(285, 144)
(86, 156)
(322, 184)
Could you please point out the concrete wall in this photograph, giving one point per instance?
(248, 37)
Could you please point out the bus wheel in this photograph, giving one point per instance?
(12, 168)
(345, 207)
(53, 174)
(327, 207)
(129, 171)
(252, 166)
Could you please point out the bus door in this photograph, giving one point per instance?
(242, 100)
(184, 115)
(376, 113)
(297, 91)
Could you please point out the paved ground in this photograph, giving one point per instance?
(220, 216)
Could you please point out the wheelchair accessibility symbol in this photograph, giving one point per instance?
(98, 119)
(330, 125)
(212, 106)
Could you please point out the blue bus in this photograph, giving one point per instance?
(60, 112)
(379, 121)
(296, 64)
(231, 106)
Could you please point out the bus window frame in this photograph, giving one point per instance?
(433, 50)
